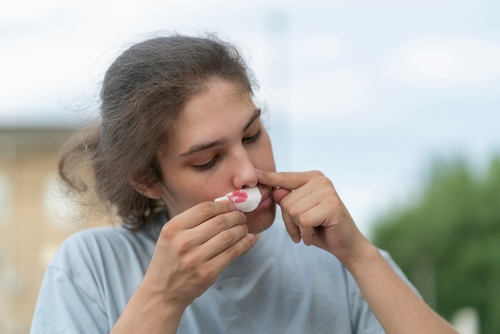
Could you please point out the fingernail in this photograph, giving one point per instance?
(251, 236)
(258, 171)
(232, 206)
(246, 227)
(244, 216)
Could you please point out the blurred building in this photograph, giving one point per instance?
(35, 217)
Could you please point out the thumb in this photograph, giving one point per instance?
(279, 194)
(287, 180)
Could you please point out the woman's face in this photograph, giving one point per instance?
(218, 142)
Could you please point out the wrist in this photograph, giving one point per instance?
(149, 311)
(365, 254)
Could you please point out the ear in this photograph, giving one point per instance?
(154, 190)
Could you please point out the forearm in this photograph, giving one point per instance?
(394, 304)
(147, 312)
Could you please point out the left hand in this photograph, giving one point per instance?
(313, 211)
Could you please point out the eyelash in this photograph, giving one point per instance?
(246, 140)
(207, 165)
(253, 138)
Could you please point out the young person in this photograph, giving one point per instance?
(179, 128)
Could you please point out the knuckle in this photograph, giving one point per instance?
(188, 263)
(226, 204)
(332, 201)
(287, 177)
(293, 211)
(183, 246)
(220, 222)
(316, 173)
(325, 181)
(205, 275)
(167, 231)
(243, 229)
(322, 181)
(242, 218)
(200, 277)
(303, 220)
(205, 208)
(227, 237)
(232, 253)
(285, 203)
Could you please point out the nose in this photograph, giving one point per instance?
(244, 174)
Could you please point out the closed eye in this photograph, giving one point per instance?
(208, 165)
(211, 163)
(253, 138)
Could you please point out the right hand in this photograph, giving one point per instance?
(193, 249)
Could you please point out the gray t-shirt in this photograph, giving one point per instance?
(276, 287)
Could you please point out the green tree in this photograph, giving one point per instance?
(447, 241)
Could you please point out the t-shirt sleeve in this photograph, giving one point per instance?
(64, 307)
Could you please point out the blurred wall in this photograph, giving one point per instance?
(34, 219)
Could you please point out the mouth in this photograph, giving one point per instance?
(266, 201)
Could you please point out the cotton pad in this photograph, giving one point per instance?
(246, 200)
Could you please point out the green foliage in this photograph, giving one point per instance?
(448, 240)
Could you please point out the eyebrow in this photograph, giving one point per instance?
(205, 146)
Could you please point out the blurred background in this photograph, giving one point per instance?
(397, 102)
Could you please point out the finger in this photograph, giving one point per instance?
(292, 229)
(213, 226)
(319, 237)
(306, 232)
(279, 194)
(309, 221)
(302, 200)
(306, 215)
(217, 263)
(221, 242)
(291, 225)
(295, 196)
(287, 180)
(202, 212)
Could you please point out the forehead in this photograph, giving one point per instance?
(220, 109)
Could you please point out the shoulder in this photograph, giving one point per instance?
(104, 252)
(109, 240)
(89, 243)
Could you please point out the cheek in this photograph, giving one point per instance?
(186, 187)
(191, 192)
(182, 192)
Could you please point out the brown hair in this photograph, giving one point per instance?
(142, 94)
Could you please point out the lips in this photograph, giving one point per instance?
(266, 201)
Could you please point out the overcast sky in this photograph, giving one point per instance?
(366, 91)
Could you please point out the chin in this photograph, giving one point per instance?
(258, 222)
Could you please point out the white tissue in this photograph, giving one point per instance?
(245, 200)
